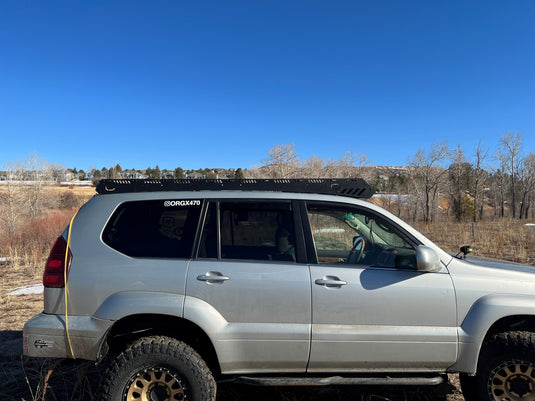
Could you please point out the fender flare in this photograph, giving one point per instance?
(483, 314)
(131, 303)
(122, 304)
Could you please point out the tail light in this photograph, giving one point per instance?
(55, 265)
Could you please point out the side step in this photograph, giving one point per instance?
(339, 380)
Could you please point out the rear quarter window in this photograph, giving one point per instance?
(155, 229)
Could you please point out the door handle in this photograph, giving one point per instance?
(213, 277)
(330, 282)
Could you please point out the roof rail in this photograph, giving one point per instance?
(351, 187)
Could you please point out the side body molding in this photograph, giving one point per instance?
(482, 315)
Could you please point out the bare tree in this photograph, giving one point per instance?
(480, 176)
(23, 194)
(283, 161)
(399, 189)
(498, 182)
(11, 201)
(314, 167)
(460, 177)
(350, 165)
(526, 181)
(509, 155)
(39, 173)
(427, 176)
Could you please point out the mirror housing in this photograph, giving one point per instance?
(427, 260)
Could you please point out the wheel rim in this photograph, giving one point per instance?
(513, 381)
(155, 384)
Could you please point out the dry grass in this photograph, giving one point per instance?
(501, 239)
(82, 192)
(23, 378)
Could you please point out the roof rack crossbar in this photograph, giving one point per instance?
(351, 187)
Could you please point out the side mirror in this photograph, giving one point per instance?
(465, 250)
(427, 260)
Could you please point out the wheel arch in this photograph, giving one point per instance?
(133, 327)
(490, 315)
(511, 323)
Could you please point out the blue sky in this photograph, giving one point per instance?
(217, 83)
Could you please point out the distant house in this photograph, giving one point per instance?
(130, 174)
(196, 176)
(167, 174)
(134, 175)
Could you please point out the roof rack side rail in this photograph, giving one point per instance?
(350, 187)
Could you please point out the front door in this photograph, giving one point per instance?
(372, 310)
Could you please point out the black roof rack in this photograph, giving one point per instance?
(351, 187)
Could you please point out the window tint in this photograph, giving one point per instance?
(346, 235)
(250, 231)
(153, 229)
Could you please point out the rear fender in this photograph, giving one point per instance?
(128, 303)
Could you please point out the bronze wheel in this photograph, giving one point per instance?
(512, 381)
(505, 371)
(157, 368)
(154, 384)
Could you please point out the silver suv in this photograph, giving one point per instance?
(176, 284)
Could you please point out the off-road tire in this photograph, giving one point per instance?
(157, 368)
(506, 369)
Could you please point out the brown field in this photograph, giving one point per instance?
(500, 239)
(24, 378)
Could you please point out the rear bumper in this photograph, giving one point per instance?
(45, 336)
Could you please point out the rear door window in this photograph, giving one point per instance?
(155, 229)
(256, 230)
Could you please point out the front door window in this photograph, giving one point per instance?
(348, 236)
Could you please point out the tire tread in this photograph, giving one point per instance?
(165, 346)
(508, 344)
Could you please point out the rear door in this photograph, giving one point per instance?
(249, 277)
(372, 310)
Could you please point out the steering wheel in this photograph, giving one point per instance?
(355, 254)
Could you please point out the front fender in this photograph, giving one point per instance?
(484, 313)
(128, 303)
